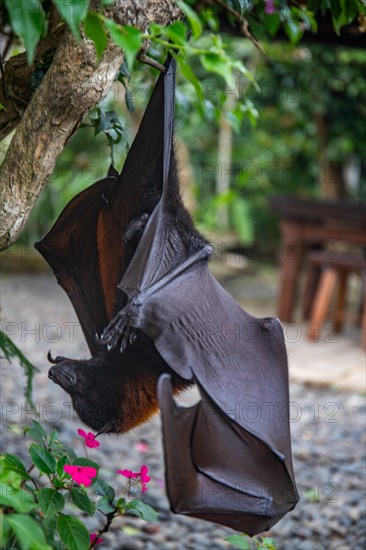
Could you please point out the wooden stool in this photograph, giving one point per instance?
(335, 269)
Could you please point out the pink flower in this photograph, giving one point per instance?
(144, 478)
(90, 440)
(270, 7)
(94, 536)
(142, 475)
(128, 473)
(83, 475)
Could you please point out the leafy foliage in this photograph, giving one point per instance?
(37, 514)
(10, 350)
(110, 124)
(284, 153)
(212, 69)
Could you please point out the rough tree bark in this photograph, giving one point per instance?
(74, 83)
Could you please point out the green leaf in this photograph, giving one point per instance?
(86, 462)
(28, 532)
(121, 503)
(177, 33)
(268, 543)
(126, 37)
(49, 527)
(73, 12)
(129, 99)
(70, 452)
(2, 107)
(50, 501)
(343, 13)
(193, 19)
(42, 459)
(12, 462)
(82, 501)
(241, 6)
(144, 511)
(239, 541)
(73, 533)
(103, 489)
(214, 63)
(272, 22)
(37, 432)
(293, 31)
(187, 72)
(14, 497)
(27, 20)
(4, 529)
(60, 466)
(104, 505)
(95, 30)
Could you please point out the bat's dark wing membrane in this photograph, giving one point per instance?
(71, 249)
(85, 246)
(228, 459)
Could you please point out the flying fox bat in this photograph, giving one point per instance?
(156, 321)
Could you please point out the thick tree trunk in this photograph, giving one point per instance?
(74, 84)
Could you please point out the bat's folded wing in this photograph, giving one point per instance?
(228, 458)
(75, 255)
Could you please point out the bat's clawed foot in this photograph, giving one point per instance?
(118, 330)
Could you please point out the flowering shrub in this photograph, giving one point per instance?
(38, 503)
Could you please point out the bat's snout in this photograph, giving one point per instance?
(63, 374)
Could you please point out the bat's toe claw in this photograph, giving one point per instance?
(99, 339)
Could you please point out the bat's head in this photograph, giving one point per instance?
(114, 392)
(93, 391)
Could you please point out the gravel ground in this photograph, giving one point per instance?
(327, 433)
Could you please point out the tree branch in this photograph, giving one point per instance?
(74, 84)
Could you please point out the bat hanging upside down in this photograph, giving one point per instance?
(156, 321)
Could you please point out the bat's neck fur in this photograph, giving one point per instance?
(120, 390)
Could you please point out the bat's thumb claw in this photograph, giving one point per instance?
(50, 358)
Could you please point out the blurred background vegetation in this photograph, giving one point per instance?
(299, 129)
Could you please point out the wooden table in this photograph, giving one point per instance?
(308, 223)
